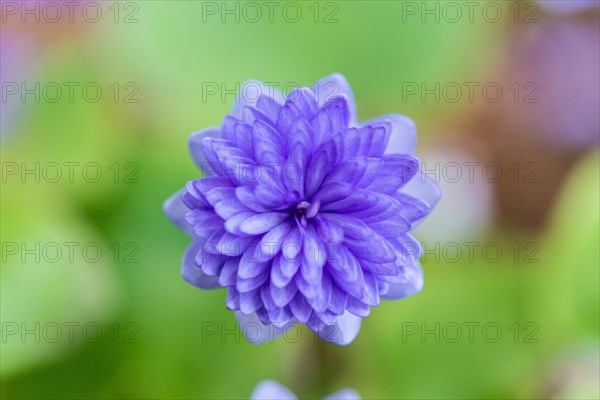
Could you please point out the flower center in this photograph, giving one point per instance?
(306, 210)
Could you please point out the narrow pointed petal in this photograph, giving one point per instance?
(232, 302)
(249, 267)
(319, 166)
(270, 106)
(267, 298)
(251, 92)
(371, 296)
(304, 99)
(267, 140)
(233, 224)
(250, 301)
(403, 138)
(283, 296)
(300, 307)
(272, 242)
(337, 305)
(314, 257)
(217, 194)
(334, 117)
(281, 316)
(261, 223)
(333, 192)
(333, 85)
(247, 285)
(357, 307)
(228, 275)
(284, 270)
(230, 207)
(320, 303)
(330, 233)
(247, 197)
(232, 245)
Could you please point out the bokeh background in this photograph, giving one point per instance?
(510, 307)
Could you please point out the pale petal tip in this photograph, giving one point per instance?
(344, 394)
(271, 390)
(344, 331)
(175, 210)
(255, 331)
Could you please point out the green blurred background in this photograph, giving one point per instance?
(528, 318)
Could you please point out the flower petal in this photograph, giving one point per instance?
(192, 273)
(300, 307)
(196, 148)
(304, 99)
(271, 243)
(176, 210)
(257, 332)
(424, 188)
(333, 85)
(228, 275)
(246, 285)
(344, 394)
(334, 117)
(249, 266)
(271, 390)
(413, 285)
(314, 258)
(251, 92)
(261, 223)
(283, 296)
(250, 301)
(344, 331)
(267, 140)
(403, 138)
(320, 303)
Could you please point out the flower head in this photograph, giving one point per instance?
(303, 214)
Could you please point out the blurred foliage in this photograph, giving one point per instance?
(169, 53)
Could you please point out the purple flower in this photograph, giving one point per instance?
(546, 57)
(271, 390)
(304, 215)
(18, 62)
(567, 7)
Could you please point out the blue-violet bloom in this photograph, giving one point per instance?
(271, 390)
(303, 214)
